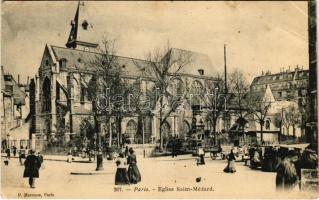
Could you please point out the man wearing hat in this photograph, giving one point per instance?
(32, 165)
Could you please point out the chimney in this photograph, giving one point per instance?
(18, 79)
(201, 72)
(28, 80)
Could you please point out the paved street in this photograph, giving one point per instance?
(56, 181)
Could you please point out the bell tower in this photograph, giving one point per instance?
(82, 32)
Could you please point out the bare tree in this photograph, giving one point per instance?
(259, 106)
(215, 102)
(239, 88)
(108, 87)
(291, 117)
(163, 67)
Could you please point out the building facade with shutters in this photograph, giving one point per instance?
(288, 85)
(14, 111)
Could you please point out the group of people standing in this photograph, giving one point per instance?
(127, 171)
(290, 165)
(287, 163)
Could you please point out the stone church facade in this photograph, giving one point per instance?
(63, 105)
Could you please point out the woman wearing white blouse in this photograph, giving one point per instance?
(121, 176)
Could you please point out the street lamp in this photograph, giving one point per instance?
(215, 114)
(99, 156)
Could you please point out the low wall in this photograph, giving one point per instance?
(141, 149)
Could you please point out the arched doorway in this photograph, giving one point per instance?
(185, 129)
(46, 95)
(87, 134)
(131, 130)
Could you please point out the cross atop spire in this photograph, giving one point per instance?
(82, 32)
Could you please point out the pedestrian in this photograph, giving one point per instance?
(256, 159)
(69, 159)
(201, 154)
(40, 157)
(173, 142)
(8, 153)
(22, 155)
(121, 177)
(75, 151)
(83, 155)
(6, 161)
(133, 172)
(267, 164)
(32, 165)
(286, 178)
(230, 168)
(126, 151)
(20, 158)
(14, 151)
(176, 146)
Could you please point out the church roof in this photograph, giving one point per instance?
(196, 61)
(82, 35)
(82, 61)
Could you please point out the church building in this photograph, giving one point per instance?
(62, 107)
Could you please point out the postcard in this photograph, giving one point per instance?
(159, 100)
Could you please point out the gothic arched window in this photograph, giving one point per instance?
(176, 87)
(267, 124)
(131, 129)
(197, 87)
(62, 62)
(46, 95)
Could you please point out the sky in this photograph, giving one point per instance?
(259, 35)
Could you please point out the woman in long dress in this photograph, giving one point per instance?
(230, 168)
(133, 172)
(121, 177)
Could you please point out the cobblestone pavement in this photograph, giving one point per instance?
(162, 177)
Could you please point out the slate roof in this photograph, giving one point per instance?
(281, 77)
(82, 60)
(197, 61)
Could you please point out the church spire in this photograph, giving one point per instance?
(81, 34)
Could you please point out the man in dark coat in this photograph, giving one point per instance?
(8, 153)
(14, 151)
(32, 165)
(173, 141)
